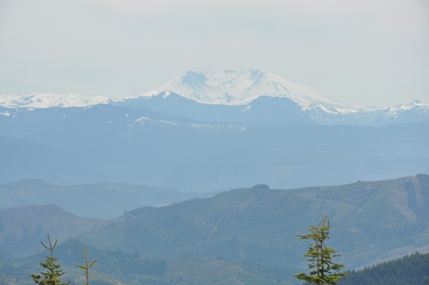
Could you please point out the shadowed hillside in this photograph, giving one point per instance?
(371, 221)
(22, 229)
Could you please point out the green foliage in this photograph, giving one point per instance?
(53, 272)
(322, 269)
(87, 266)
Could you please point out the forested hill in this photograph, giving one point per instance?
(371, 221)
(409, 270)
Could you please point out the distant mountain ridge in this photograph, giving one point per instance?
(371, 221)
(116, 197)
(50, 100)
(106, 143)
(241, 96)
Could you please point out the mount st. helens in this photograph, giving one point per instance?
(241, 87)
(240, 96)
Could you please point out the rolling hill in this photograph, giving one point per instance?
(22, 229)
(371, 221)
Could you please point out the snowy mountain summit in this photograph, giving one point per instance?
(240, 87)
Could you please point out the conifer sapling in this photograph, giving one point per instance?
(53, 272)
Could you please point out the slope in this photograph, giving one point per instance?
(117, 267)
(22, 229)
(371, 221)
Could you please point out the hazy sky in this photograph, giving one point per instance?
(367, 52)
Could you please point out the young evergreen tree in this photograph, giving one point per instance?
(86, 267)
(323, 271)
(53, 272)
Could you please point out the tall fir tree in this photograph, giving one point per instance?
(323, 271)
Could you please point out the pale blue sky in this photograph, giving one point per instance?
(364, 52)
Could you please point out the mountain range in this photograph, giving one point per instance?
(240, 96)
(210, 131)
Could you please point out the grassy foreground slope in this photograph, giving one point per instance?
(371, 221)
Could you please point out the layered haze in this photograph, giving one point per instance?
(287, 136)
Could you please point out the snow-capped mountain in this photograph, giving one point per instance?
(240, 87)
(49, 100)
(241, 96)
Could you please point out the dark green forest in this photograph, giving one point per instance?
(410, 270)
